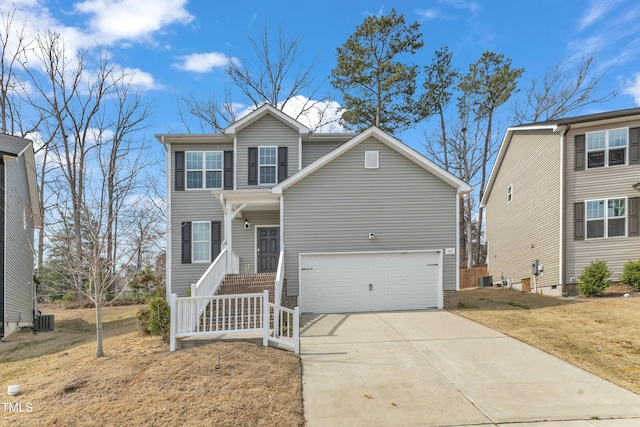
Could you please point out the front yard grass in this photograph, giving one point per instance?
(139, 382)
(599, 335)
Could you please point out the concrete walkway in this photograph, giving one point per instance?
(433, 368)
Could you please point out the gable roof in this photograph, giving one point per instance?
(13, 146)
(559, 125)
(259, 113)
(389, 141)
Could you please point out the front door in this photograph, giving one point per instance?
(268, 249)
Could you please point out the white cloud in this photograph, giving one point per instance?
(595, 13)
(116, 20)
(632, 88)
(427, 14)
(472, 6)
(204, 62)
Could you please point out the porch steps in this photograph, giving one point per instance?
(248, 284)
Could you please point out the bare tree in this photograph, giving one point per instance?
(274, 75)
(95, 113)
(562, 91)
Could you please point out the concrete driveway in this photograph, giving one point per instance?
(433, 368)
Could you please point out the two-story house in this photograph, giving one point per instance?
(561, 195)
(355, 222)
(18, 209)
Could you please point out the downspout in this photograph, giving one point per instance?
(457, 242)
(168, 257)
(563, 211)
(235, 161)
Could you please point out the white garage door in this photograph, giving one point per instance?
(374, 281)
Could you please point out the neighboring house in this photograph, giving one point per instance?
(564, 193)
(18, 202)
(362, 221)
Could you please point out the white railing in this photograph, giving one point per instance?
(230, 314)
(211, 280)
(279, 280)
(286, 326)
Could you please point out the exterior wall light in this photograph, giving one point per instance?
(246, 224)
(372, 236)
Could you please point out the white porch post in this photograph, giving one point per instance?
(228, 219)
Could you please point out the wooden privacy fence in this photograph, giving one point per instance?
(469, 276)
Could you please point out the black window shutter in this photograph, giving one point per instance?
(580, 156)
(179, 169)
(634, 145)
(578, 223)
(253, 166)
(282, 164)
(228, 170)
(634, 218)
(186, 243)
(216, 239)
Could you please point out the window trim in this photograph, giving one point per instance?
(274, 165)
(606, 148)
(194, 241)
(509, 193)
(203, 169)
(375, 159)
(606, 218)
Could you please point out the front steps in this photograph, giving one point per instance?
(248, 284)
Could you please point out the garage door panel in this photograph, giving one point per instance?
(340, 282)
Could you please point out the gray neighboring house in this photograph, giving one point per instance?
(362, 221)
(19, 207)
(564, 193)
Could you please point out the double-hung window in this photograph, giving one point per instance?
(268, 165)
(607, 148)
(201, 241)
(606, 218)
(204, 169)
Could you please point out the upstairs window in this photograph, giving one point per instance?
(204, 169)
(268, 165)
(607, 148)
(606, 218)
(510, 193)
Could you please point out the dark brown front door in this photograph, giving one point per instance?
(268, 249)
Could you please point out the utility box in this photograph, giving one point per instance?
(43, 322)
(485, 281)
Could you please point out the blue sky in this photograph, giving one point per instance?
(178, 48)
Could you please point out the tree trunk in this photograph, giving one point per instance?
(98, 301)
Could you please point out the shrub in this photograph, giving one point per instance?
(159, 317)
(594, 279)
(143, 320)
(631, 275)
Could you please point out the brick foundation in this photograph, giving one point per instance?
(450, 300)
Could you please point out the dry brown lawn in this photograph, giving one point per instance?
(599, 335)
(139, 382)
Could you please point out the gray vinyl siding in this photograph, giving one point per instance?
(594, 184)
(244, 241)
(186, 206)
(335, 208)
(19, 291)
(528, 227)
(268, 131)
(312, 151)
